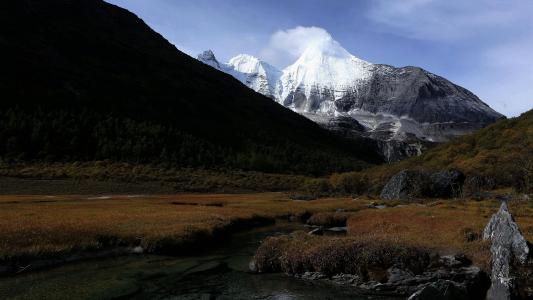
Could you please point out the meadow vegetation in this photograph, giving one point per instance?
(378, 237)
(41, 227)
(45, 226)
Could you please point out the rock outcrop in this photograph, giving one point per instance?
(449, 277)
(509, 247)
(409, 184)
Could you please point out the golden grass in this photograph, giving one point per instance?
(449, 227)
(298, 253)
(42, 226)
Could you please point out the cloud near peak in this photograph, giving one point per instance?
(285, 46)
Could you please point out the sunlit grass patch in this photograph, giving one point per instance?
(43, 226)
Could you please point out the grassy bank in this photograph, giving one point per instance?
(49, 226)
(43, 227)
(378, 236)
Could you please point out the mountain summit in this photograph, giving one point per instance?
(403, 108)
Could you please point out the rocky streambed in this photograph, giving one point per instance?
(397, 271)
(219, 273)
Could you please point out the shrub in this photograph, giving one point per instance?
(316, 187)
(349, 183)
(299, 253)
(329, 219)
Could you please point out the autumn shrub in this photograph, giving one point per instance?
(352, 183)
(329, 219)
(298, 253)
(317, 187)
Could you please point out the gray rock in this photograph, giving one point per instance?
(451, 261)
(311, 276)
(338, 229)
(409, 184)
(316, 231)
(507, 243)
(346, 279)
(252, 266)
(137, 250)
(441, 290)
(399, 276)
(404, 185)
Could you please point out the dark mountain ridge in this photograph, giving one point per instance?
(87, 80)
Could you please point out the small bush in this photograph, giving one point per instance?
(316, 187)
(300, 253)
(329, 219)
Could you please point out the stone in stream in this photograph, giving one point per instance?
(508, 246)
(441, 290)
(316, 231)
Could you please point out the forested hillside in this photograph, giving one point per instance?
(500, 155)
(85, 81)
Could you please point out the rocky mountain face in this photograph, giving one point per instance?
(403, 109)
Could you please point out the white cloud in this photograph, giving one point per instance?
(285, 46)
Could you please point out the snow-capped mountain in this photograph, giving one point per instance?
(402, 108)
(256, 74)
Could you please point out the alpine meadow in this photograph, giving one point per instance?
(242, 150)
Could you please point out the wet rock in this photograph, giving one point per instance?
(311, 276)
(376, 205)
(453, 261)
(441, 290)
(508, 246)
(316, 231)
(346, 279)
(453, 272)
(399, 276)
(338, 229)
(252, 267)
(408, 184)
(137, 250)
(370, 285)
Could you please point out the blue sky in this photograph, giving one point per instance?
(484, 45)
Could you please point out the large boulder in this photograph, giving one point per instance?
(508, 246)
(409, 184)
(406, 184)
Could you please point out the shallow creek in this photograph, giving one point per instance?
(220, 273)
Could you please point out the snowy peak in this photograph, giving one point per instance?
(208, 58)
(255, 73)
(251, 71)
(327, 47)
(324, 64)
(247, 64)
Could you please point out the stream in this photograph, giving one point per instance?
(219, 273)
